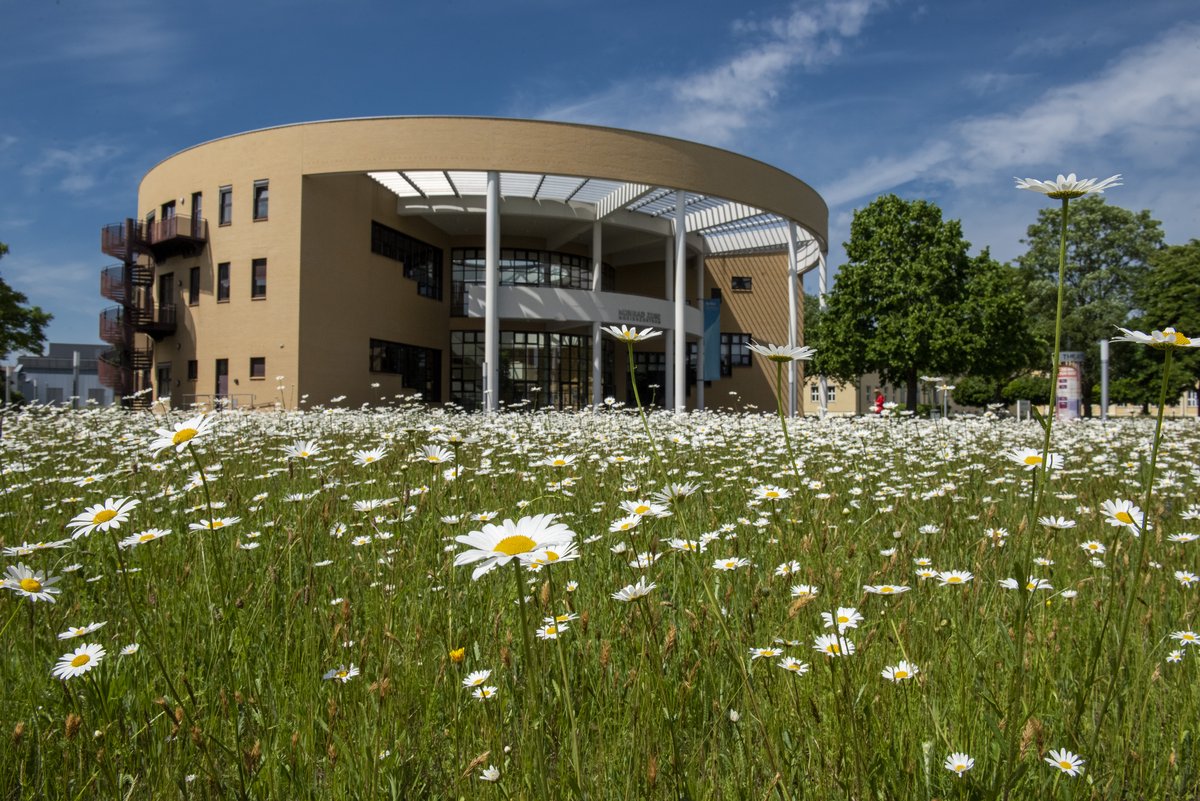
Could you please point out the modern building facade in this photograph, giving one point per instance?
(471, 260)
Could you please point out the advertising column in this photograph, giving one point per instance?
(1070, 393)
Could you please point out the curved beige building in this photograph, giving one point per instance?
(470, 260)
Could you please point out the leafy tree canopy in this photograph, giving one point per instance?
(910, 302)
(22, 327)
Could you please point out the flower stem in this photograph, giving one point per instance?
(1052, 411)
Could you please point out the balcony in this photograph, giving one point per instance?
(180, 235)
(116, 327)
(176, 236)
(157, 321)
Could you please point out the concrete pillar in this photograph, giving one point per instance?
(491, 318)
(680, 378)
(597, 344)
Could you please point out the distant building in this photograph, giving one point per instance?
(52, 379)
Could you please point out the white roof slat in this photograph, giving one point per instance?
(396, 183)
(519, 184)
(558, 187)
(622, 197)
(711, 216)
(469, 182)
(432, 183)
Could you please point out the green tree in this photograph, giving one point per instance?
(22, 327)
(1169, 295)
(1108, 254)
(1033, 388)
(911, 302)
(976, 391)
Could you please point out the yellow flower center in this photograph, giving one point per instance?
(515, 544)
(551, 556)
(183, 435)
(103, 516)
(772, 494)
(1033, 459)
(1124, 517)
(885, 590)
(81, 660)
(834, 648)
(559, 462)
(217, 524)
(959, 767)
(31, 585)
(954, 580)
(303, 454)
(843, 619)
(341, 674)
(1064, 764)
(146, 537)
(551, 630)
(901, 674)
(641, 510)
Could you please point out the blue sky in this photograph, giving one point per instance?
(943, 100)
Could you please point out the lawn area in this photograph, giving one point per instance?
(270, 607)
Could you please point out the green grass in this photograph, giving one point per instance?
(225, 695)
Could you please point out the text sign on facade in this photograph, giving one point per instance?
(638, 316)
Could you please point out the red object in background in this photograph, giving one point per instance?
(879, 403)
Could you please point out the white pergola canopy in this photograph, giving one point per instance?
(726, 227)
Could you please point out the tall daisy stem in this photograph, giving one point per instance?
(1052, 411)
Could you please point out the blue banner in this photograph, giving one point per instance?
(712, 339)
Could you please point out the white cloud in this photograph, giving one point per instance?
(74, 169)
(718, 102)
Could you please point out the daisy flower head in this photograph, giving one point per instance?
(79, 631)
(1186, 577)
(769, 492)
(732, 563)
(1065, 188)
(627, 334)
(542, 557)
(1166, 338)
(783, 353)
(833, 645)
(369, 456)
(804, 591)
(959, 763)
(301, 449)
(764, 653)
(141, 538)
(847, 617)
(78, 662)
(1093, 547)
(625, 523)
(33, 584)
(1057, 523)
(1031, 459)
(476, 678)
(1068, 763)
(214, 524)
(183, 435)
(1123, 513)
(131, 649)
(484, 693)
(490, 774)
(644, 508)
(550, 631)
(435, 454)
(342, 674)
(885, 589)
(497, 545)
(632, 592)
(793, 665)
(948, 577)
(1186, 637)
(901, 672)
(1185, 536)
(101, 517)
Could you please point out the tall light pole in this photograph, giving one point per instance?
(10, 370)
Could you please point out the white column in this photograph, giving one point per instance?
(597, 345)
(680, 303)
(491, 313)
(668, 391)
(822, 289)
(700, 346)
(792, 273)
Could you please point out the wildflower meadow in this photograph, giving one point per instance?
(398, 602)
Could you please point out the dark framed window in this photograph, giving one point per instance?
(537, 369)
(258, 278)
(225, 206)
(258, 367)
(223, 282)
(197, 213)
(222, 385)
(193, 286)
(741, 283)
(419, 368)
(162, 380)
(422, 261)
(262, 196)
(735, 352)
(193, 370)
(520, 267)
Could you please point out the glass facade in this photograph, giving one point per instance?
(422, 261)
(522, 268)
(543, 369)
(419, 368)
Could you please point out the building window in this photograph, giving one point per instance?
(262, 194)
(197, 214)
(741, 283)
(735, 352)
(831, 394)
(522, 268)
(537, 369)
(162, 380)
(422, 261)
(258, 280)
(193, 286)
(814, 393)
(222, 386)
(225, 206)
(223, 282)
(258, 367)
(193, 370)
(418, 368)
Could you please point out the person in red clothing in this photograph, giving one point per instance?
(878, 402)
